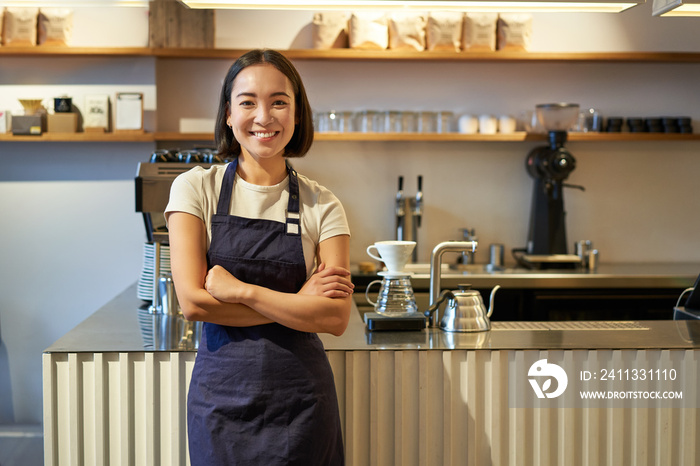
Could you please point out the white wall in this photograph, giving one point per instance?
(72, 241)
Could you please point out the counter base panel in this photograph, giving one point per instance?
(397, 407)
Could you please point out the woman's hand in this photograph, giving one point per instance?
(331, 282)
(224, 286)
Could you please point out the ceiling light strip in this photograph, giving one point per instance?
(472, 6)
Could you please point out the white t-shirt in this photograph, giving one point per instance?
(197, 191)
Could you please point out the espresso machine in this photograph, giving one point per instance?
(550, 166)
(162, 324)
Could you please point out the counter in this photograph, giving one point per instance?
(414, 398)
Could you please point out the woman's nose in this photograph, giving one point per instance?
(263, 117)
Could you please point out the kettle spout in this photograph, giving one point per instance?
(493, 294)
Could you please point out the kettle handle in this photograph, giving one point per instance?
(493, 294)
(367, 292)
(444, 295)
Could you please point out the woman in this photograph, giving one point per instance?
(261, 255)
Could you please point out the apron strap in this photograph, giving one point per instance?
(224, 205)
(293, 221)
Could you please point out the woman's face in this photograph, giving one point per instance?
(262, 111)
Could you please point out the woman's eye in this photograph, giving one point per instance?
(245, 103)
(279, 103)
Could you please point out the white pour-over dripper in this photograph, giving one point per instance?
(394, 254)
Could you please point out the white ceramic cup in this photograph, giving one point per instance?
(488, 124)
(506, 124)
(394, 254)
(468, 124)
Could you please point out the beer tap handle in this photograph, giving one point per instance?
(400, 211)
(419, 201)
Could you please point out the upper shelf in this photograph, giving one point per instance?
(353, 54)
(369, 137)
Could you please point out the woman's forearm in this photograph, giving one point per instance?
(306, 313)
(201, 306)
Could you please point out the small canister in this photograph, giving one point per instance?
(62, 104)
(593, 260)
(496, 255)
(583, 248)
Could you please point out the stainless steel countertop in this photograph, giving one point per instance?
(631, 275)
(115, 328)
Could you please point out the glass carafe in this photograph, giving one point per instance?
(395, 298)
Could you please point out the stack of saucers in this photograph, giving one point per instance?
(147, 278)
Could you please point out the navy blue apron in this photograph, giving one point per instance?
(261, 395)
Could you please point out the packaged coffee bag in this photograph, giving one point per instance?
(368, 30)
(330, 30)
(55, 26)
(479, 32)
(514, 31)
(407, 31)
(20, 26)
(444, 31)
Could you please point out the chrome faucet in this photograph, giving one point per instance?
(468, 235)
(436, 270)
(409, 213)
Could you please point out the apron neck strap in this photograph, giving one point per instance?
(293, 218)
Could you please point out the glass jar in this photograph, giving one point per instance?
(368, 121)
(392, 121)
(427, 122)
(444, 122)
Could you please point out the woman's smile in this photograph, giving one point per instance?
(264, 135)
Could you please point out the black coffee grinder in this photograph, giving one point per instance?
(550, 166)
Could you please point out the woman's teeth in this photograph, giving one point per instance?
(264, 135)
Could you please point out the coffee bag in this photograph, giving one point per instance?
(514, 31)
(20, 26)
(444, 31)
(479, 32)
(55, 26)
(330, 30)
(407, 31)
(369, 30)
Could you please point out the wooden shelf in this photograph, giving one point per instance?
(172, 136)
(459, 137)
(349, 137)
(42, 51)
(80, 137)
(351, 54)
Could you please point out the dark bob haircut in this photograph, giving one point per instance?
(303, 135)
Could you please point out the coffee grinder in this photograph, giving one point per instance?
(550, 166)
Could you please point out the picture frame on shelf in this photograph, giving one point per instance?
(129, 112)
(96, 116)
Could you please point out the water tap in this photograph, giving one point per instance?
(468, 234)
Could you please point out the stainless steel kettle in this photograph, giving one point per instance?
(465, 310)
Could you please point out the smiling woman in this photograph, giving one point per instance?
(260, 253)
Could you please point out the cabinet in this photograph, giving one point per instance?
(365, 55)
